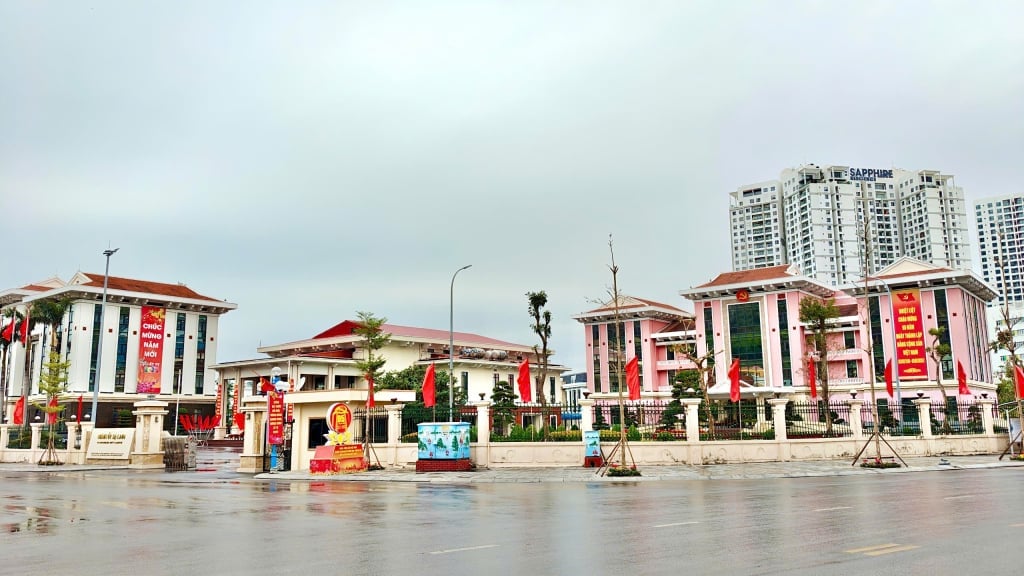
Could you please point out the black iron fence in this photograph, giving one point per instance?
(717, 420)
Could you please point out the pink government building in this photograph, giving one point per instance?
(754, 315)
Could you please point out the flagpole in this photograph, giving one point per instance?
(451, 344)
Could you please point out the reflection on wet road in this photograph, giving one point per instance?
(123, 522)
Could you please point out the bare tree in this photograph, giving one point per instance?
(542, 328)
(706, 371)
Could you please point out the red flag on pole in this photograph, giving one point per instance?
(51, 414)
(79, 417)
(961, 378)
(812, 377)
(19, 412)
(428, 387)
(8, 333)
(888, 378)
(24, 328)
(734, 380)
(633, 377)
(524, 381)
(1018, 378)
(369, 393)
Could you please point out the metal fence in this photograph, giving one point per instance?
(818, 419)
(413, 415)
(956, 417)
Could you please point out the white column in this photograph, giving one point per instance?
(147, 451)
(985, 404)
(5, 435)
(779, 416)
(37, 434)
(856, 423)
(924, 414)
(692, 419)
(483, 433)
(72, 454)
(587, 414)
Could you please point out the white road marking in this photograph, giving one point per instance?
(890, 550)
(831, 509)
(465, 549)
(673, 524)
(959, 497)
(882, 549)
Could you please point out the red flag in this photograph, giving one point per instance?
(240, 422)
(51, 417)
(734, 380)
(266, 386)
(24, 328)
(633, 377)
(8, 332)
(19, 412)
(428, 387)
(888, 378)
(79, 417)
(812, 377)
(961, 378)
(524, 381)
(369, 393)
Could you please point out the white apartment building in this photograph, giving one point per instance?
(814, 217)
(1000, 225)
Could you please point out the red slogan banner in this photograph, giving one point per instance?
(218, 411)
(151, 348)
(910, 349)
(275, 418)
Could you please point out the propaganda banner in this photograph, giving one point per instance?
(910, 346)
(218, 411)
(275, 418)
(151, 347)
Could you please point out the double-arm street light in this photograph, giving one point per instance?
(451, 343)
(99, 351)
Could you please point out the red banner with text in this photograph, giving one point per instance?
(218, 411)
(275, 418)
(910, 350)
(151, 347)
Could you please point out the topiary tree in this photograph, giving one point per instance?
(503, 397)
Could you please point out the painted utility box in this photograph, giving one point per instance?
(443, 441)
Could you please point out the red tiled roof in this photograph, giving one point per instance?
(36, 288)
(146, 287)
(749, 276)
(348, 326)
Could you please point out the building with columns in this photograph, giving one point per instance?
(321, 371)
(157, 338)
(754, 315)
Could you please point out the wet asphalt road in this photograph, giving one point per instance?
(123, 522)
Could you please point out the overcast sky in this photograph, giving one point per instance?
(309, 160)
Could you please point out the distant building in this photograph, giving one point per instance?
(1000, 226)
(183, 323)
(814, 217)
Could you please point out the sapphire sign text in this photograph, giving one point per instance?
(869, 174)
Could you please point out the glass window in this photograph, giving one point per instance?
(745, 340)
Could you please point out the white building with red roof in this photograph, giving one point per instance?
(321, 370)
(174, 363)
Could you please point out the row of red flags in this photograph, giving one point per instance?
(812, 379)
(8, 332)
(197, 423)
(51, 417)
(429, 385)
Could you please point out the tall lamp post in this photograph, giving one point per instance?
(99, 351)
(451, 343)
(892, 325)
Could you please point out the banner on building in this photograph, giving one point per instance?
(151, 348)
(911, 360)
(218, 411)
(275, 418)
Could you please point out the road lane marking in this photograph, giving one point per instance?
(464, 549)
(890, 550)
(831, 509)
(881, 549)
(1016, 525)
(959, 497)
(673, 524)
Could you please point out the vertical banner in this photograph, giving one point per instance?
(910, 350)
(275, 418)
(218, 411)
(151, 348)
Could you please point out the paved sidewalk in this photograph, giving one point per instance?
(220, 468)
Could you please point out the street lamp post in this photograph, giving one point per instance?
(892, 326)
(451, 343)
(99, 350)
